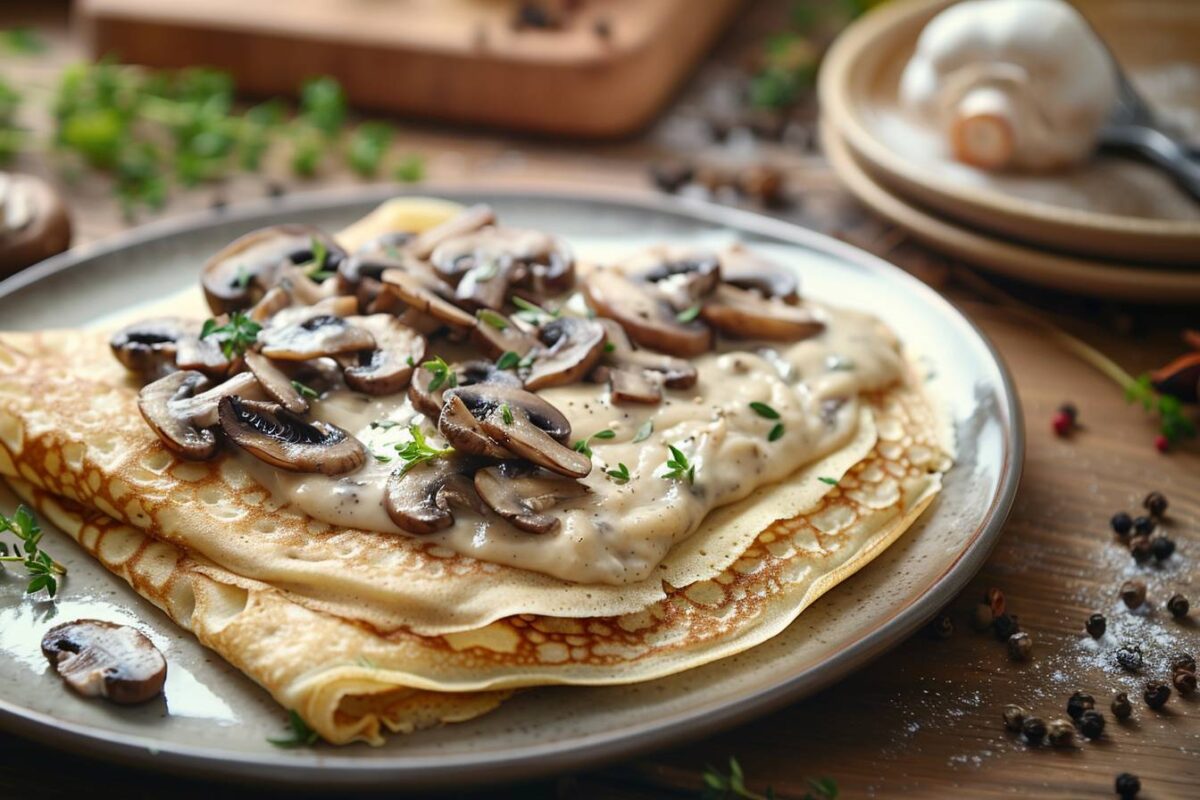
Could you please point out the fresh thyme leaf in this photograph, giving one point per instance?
(417, 450)
(609, 347)
(532, 312)
(487, 271)
(620, 474)
(584, 445)
(1173, 423)
(384, 424)
(235, 336)
(688, 314)
(830, 481)
(243, 277)
(719, 786)
(307, 391)
(776, 432)
(508, 360)
(301, 734)
(316, 268)
(604, 434)
(382, 459)
(409, 360)
(678, 466)
(442, 374)
(527, 361)
(506, 414)
(644, 431)
(764, 410)
(39, 566)
(490, 317)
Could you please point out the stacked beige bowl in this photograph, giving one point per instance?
(1111, 227)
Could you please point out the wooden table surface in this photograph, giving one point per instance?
(924, 720)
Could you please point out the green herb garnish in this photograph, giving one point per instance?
(418, 451)
(776, 432)
(306, 391)
(40, 568)
(1173, 423)
(235, 336)
(609, 347)
(532, 312)
(506, 414)
(688, 314)
(508, 360)
(384, 424)
(490, 317)
(22, 41)
(243, 277)
(367, 147)
(442, 374)
(644, 431)
(764, 410)
(301, 734)
(583, 445)
(620, 474)
(316, 269)
(678, 465)
(410, 170)
(382, 459)
(830, 481)
(719, 786)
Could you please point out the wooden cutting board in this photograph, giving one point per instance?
(604, 71)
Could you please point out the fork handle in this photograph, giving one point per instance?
(1155, 146)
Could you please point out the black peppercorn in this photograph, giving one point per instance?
(1060, 732)
(1128, 786)
(1129, 657)
(981, 617)
(1020, 646)
(1121, 523)
(1096, 625)
(1162, 547)
(671, 176)
(1184, 661)
(1014, 717)
(1121, 707)
(1155, 503)
(1069, 411)
(1133, 594)
(1034, 729)
(1184, 681)
(1141, 549)
(1179, 606)
(1091, 724)
(1156, 694)
(942, 627)
(1078, 703)
(1143, 525)
(1005, 626)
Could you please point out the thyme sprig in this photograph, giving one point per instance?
(442, 373)
(620, 473)
(300, 736)
(40, 567)
(584, 445)
(236, 336)
(316, 268)
(304, 390)
(417, 450)
(532, 312)
(678, 466)
(719, 786)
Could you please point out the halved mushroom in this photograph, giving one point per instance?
(241, 273)
(676, 373)
(421, 500)
(201, 409)
(486, 262)
(104, 659)
(466, 433)
(389, 367)
(274, 435)
(747, 270)
(517, 432)
(496, 334)
(149, 347)
(746, 314)
(470, 219)
(485, 398)
(155, 402)
(646, 317)
(521, 494)
(683, 277)
(634, 386)
(420, 295)
(275, 382)
(570, 348)
(319, 335)
(429, 400)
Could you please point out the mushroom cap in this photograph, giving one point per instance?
(520, 494)
(157, 403)
(238, 275)
(421, 500)
(103, 659)
(467, 220)
(746, 269)
(646, 317)
(276, 383)
(485, 262)
(466, 433)
(430, 401)
(683, 276)
(531, 442)
(746, 314)
(388, 368)
(570, 348)
(482, 398)
(318, 335)
(149, 347)
(272, 434)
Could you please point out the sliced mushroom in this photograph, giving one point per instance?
(676, 373)
(747, 270)
(521, 495)
(204, 355)
(319, 335)
(470, 219)
(466, 433)
(496, 334)
(201, 409)
(486, 262)
(389, 367)
(570, 348)
(634, 386)
(487, 397)
(646, 317)
(683, 277)
(274, 435)
(241, 273)
(275, 300)
(746, 314)
(518, 433)
(104, 659)
(149, 347)
(420, 295)
(275, 382)
(155, 402)
(421, 500)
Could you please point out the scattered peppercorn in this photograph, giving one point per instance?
(1184, 681)
(1156, 694)
(1121, 523)
(1128, 786)
(1161, 443)
(1155, 503)
(996, 601)
(1020, 646)
(1078, 703)
(671, 176)
(941, 627)
(1179, 606)
(1143, 525)
(1069, 411)
(1121, 707)
(1005, 626)
(1014, 717)
(1162, 547)
(1096, 625)
(1060, 732)
(1133, 594)
(1141, 549)
(981, 617)
(1034, 729)
(1183, 661)
(1091, 724)
(1129, 657)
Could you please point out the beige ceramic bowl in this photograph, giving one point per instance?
(1110, 207)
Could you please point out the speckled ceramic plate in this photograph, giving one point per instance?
(214, 722)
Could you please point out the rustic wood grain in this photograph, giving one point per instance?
(924, 720)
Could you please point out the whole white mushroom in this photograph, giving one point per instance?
(1013, 84)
